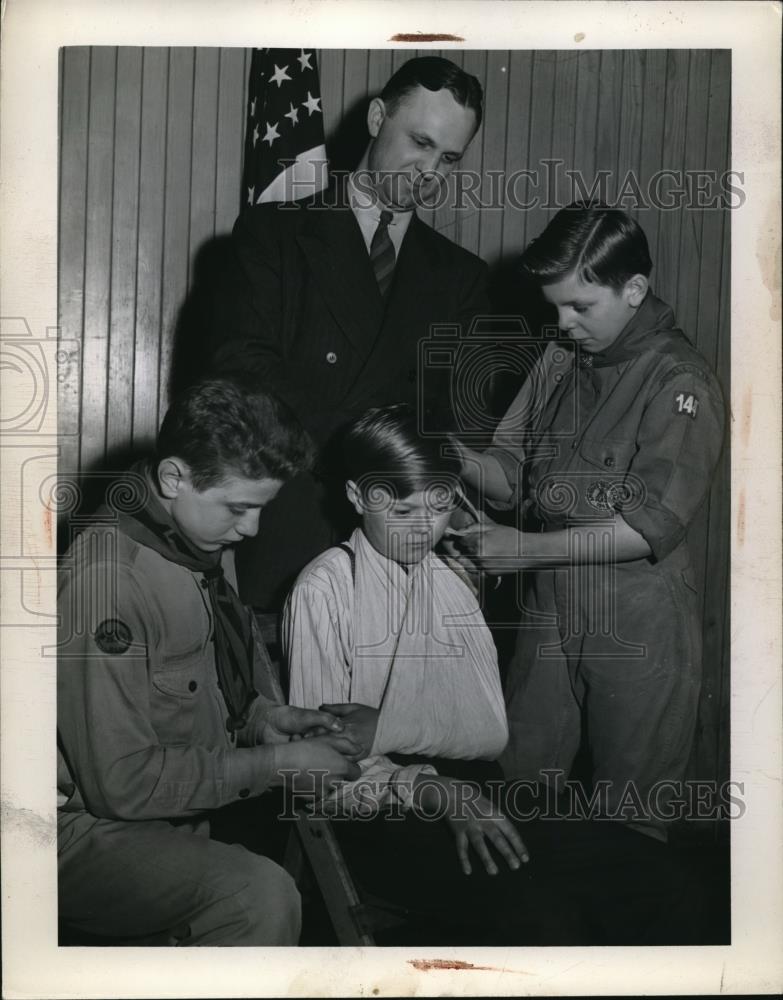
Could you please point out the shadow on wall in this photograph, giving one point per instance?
(202, 318)
(346, 145)
(79, 496)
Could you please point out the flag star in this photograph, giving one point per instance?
(271, 133)
(250, 193)
(311, 103)
(279, 75)
(293, 114)
(304, 60)
(255, 135)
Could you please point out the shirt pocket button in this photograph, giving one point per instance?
(193, 686)
(609, 462)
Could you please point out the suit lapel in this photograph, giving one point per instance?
(413, 300)
(338, 260)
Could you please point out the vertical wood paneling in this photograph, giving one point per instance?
(230, 133)
(609, 118)
(125, 218)
(673, 158)
(355, 73)
(562, 147)
(150, 172)
(468, 221)
(74, 107)
(691, 220)
(653, 114)
(586, 119)
(203, 171)
(493, 149)
(150, 274)
(541, 114)
(98, 245)
(630, 131)
(520, 72)
(330, 65)
(176, 212)
(378, 70)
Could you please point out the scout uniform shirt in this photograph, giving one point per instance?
(636, 429)
(142, 730)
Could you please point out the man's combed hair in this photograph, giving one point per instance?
(222, 427)
(384, 449)
(434, 73)
(603, 246)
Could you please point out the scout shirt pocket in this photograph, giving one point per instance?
(180, 673)
(605, 484)
(614, 455)
(177, 687)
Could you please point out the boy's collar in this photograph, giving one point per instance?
(652, 315)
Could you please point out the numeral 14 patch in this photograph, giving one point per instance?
(687, 404)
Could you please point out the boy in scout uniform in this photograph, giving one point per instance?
(607, 453)
(160, 719)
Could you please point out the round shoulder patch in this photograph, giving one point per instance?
(113, 636)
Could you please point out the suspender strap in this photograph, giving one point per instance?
(352, 556)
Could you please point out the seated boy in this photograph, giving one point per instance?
(393, 641)
(159, 716)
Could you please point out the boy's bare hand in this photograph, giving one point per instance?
(286, 721)
(475, 822)
(314, 766)
(359, 722)
(493, 548)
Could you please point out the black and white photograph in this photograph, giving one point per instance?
(394, 456)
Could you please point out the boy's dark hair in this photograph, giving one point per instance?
(383, 449)
(434, 73)
(603, 245)
(223, 427)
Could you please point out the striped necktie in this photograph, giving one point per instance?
(382, 253)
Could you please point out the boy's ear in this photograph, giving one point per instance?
(173, 475)
(635, 290)
(354, 496)
(376, 113)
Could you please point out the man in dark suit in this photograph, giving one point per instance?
(331, 296)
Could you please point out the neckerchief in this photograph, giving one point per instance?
(153, 527)
(653, 317)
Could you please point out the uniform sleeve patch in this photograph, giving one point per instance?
(687, 404)
(113, 636)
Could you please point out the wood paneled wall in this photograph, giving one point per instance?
(151, 161)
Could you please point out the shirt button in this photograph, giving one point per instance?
(244, 792)
(609, 461)
(331, 357)
(205, 583)
(193, 686)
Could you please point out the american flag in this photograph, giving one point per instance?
(285, 155)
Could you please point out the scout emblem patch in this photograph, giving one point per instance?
(605, 496)
(113, 636)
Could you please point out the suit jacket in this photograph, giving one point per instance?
(301, 310)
